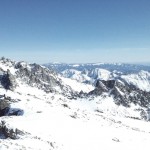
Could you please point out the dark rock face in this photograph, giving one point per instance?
(33, 75)
(105, 85)
(7, 132)
(36, 75)
(123, 93)
(8, 81)
(15, 112)
(41, 77)
(4, 106)
(102, 86)
(126, 94)
(109, 84)
(4, 103)
(6, 110)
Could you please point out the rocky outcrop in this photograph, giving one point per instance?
(38, 76)
(7, 132)
(5, 107)
(8, 81)
(102, 86)
(105, 85)
(41, 77)
(33, 75)
(123, 93)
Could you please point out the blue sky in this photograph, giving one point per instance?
(75, 30)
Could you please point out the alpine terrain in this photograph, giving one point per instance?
(59, 106)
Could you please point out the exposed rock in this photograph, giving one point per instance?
(6, 110)
(33, 75)
(15, 112)
(4, 103)
(102, 86)
(123, 93)
(8, 81)
(8, 132)
(109, 84)
(40, 77)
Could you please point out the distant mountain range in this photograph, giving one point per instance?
(122, 67)
(138, 75)
(126, 82)
(55, 102)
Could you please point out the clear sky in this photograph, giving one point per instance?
(75, 30)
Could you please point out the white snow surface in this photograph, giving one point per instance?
(102, 74)
(53, 122)
(75, 75)
(7, 66)
(96, 123)
(77, 86)
(140, 80)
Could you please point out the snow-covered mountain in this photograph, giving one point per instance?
(137, 75)
(73, 107)
(126, 83)
(125, 68)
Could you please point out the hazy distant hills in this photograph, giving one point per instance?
(122, 67)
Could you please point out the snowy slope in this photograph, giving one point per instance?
(137, 75)
(76, 75)
(82, 124)
(77, 86)
(140, 80)
(51, 121)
